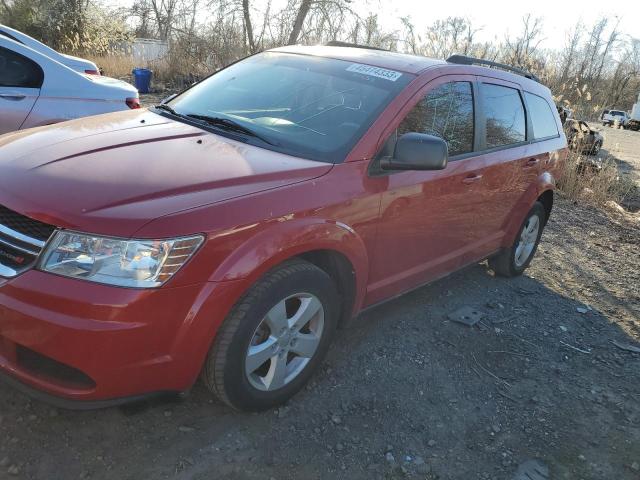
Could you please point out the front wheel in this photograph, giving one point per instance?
(274, 338)
(515, 259)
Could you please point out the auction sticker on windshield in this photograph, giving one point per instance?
(374, 71)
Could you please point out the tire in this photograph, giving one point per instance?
(505, 263)
(294, 288)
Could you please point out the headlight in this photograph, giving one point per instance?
(126, 263)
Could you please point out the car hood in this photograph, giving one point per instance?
(111, 174)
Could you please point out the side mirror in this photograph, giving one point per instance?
(169, 98)
(417, 151)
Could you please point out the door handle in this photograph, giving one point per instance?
(532, 162)
(12, 96)
(471, 179)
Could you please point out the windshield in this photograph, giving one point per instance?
(616, 113)
(311, 107)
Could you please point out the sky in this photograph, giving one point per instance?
(497, 18)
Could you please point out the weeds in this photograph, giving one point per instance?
(168, 73)
(581, 180)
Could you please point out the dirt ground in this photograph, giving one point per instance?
(405, 392)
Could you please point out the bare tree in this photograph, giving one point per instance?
(521, 50)
(303, 11)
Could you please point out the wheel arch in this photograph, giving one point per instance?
(342, 272)
(331, 246)
(546, 199)
(542, 190)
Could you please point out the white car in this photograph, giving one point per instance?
(610, 116)
(37, 90)
(78, 64)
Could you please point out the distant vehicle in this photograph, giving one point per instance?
(582, 138)
(74, 63)
(634, 119)
(615, 118)
(37, 90)
(228, 232)
(564, 113)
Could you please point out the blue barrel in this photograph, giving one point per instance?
(142, 79)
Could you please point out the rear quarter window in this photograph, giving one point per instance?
(542, 119)
(18, 71)
(504, 115)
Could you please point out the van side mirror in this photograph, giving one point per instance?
(417, 151)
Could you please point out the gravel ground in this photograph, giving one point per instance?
(406, 392)
(623, 145)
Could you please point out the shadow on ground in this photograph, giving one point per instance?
(405, 392)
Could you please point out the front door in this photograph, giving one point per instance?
(430, 219)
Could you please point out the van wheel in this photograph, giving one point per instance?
(514, 260)
(274, 337)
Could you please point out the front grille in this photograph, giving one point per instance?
(25, 225)
(21, 241)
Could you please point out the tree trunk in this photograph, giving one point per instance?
(248, 26)
(305, 6)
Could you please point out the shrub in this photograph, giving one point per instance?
(597, 187)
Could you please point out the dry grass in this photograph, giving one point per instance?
(116, 66)
(596, 187)
(168, 74)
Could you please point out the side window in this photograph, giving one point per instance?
(19, 71)
(446, 112)
(504, 114)
(542, 119)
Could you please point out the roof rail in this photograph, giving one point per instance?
(336, 43)
(464, 60)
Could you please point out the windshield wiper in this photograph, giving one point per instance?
(168, 108)
(228, 124)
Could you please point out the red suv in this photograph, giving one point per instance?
(228, 233)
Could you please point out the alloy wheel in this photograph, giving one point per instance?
(284, 342)
(527, 241)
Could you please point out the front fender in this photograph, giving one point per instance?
(281, 240)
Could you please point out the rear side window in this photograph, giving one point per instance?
(504, 115)
(446, 112)
(542, 118)
(18, 71)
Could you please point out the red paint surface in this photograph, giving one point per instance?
(138, 174)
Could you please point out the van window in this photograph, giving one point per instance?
(504, 113)
(18, 71)
(542, 119)
(446, 112)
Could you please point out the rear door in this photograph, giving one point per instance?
(20, 82)
(510, 163)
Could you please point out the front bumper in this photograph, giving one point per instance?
(81, 341)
